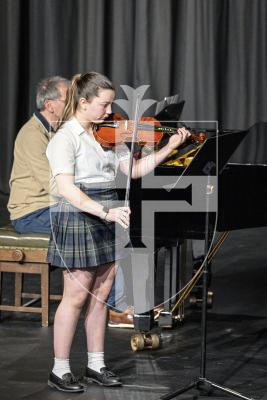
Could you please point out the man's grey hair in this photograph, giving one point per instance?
(47, 89)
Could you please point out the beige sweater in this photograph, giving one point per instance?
(30, 176)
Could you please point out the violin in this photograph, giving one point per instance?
(149, 131)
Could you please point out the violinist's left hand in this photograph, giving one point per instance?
(180, 137)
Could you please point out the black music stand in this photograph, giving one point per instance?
(205, 163)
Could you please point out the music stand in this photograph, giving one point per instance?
(204, 163)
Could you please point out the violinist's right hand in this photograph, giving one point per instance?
(121, 215)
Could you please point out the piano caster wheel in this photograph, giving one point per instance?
(155, 341)
(194, 300)
(137, 342)
(141, 341)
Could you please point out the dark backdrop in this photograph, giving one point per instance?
(212, 52)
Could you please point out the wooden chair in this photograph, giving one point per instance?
(26, 254)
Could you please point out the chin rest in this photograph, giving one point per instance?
(26, 254)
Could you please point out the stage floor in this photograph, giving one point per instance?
(236, 340)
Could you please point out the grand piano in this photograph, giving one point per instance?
(242, 195)
(242, 192)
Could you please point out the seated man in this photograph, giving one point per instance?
(29, 201)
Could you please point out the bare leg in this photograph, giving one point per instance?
(96, 313)
(76, 286)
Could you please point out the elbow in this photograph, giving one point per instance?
(54, 193)
(62, 191)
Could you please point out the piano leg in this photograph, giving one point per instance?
(174, 281)
(143, 266)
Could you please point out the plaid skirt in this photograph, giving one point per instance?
(82, 240)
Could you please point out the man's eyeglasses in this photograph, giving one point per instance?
(63, 101)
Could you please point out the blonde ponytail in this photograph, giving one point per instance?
(72, 101)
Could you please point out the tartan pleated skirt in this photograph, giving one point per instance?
(82, 240)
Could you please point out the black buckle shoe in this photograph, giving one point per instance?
(68, 383)
(105, 377)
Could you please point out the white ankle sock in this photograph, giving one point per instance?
(61, 367)
(96, 360)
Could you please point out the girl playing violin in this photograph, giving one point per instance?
(83, 238)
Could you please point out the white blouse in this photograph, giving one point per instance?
(74, 151)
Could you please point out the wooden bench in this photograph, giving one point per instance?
(26, 254)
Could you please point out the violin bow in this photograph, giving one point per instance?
(134, 137)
